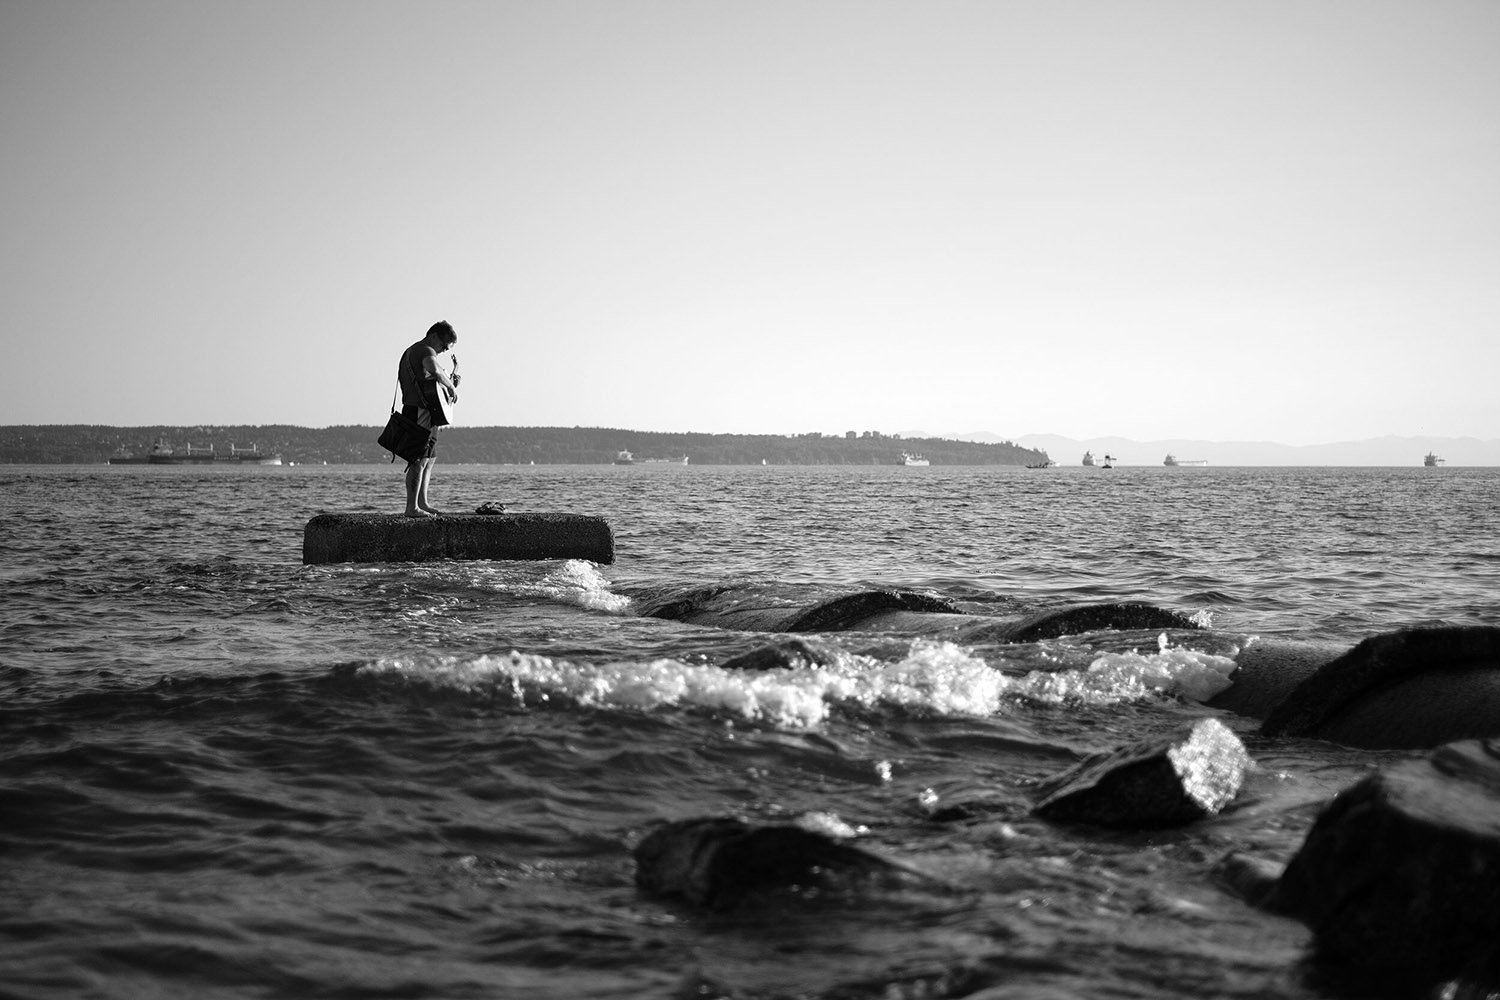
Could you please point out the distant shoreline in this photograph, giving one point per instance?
(355, 444)
(91, 444)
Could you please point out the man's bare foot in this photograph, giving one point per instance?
(419, 512)
(432, 511)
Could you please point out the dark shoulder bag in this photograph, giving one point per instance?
(403, 437)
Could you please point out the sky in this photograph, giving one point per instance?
(1269, 220)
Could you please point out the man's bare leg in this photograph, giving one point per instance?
(416, 487)
(423, 481)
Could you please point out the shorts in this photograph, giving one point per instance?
(421, 416)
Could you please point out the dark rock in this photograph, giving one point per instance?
(1075, 620)
(1402, 871)
(1401, 690)
(717, 861)
(850, 611)
(779, 607)
(787, 654)
(1092, 618)
(334, 538)
(1164, 782)
(1267, 670)
(1251, 878)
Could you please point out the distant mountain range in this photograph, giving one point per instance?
(1385, 451)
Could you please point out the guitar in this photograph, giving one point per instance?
(437, 399)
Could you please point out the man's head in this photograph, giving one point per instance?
(441, 335)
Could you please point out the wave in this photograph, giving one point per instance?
(570, 582)
(931, 678)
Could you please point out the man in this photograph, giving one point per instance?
(418, 366)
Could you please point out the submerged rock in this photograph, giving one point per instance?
(717, 861)
(1402, 871)
(1072, 620)
(781, 607)
(787, 654)
(1118, 615)
(1165, 782)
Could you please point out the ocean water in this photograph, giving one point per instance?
(226, 774)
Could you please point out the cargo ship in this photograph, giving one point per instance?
(162, 453)
(250, 456)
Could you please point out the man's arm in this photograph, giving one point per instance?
(431, 369)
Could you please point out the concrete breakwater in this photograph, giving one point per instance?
(335, 538)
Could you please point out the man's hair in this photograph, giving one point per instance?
(442, 328)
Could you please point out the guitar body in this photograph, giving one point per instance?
(435, 397)
(437, 400)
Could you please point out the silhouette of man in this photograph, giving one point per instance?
(418, 366)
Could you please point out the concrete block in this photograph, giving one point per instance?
(332, 538)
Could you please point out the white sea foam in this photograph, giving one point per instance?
(1132, 676)
(573, 581)
(578, 581)
(939, 678)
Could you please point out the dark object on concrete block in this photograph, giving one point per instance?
(1401, 873)
(717, 861)
(1161, 783)
(331, 538)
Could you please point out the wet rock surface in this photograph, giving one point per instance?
(1424, 686)
(1402, 870)
(1082, 618)
(771, 607)
(716, 862)
(1166, 782)
(785, 655)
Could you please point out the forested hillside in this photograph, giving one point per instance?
(89, 443)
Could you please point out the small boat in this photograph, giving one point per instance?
(1042, 465)
(624, 458)
(908, 458)
(1088, 458)
(1109, 462)
(1431, 460)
